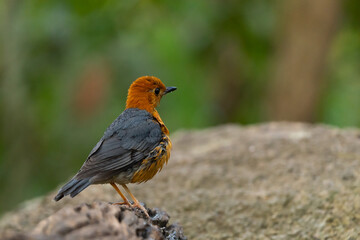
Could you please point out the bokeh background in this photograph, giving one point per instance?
(66, 65)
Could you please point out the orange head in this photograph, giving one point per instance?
(146, 93)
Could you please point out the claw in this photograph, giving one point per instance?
(138, 205)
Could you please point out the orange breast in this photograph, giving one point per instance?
(154, 163)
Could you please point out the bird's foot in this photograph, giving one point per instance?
(122, 203)
(141, 207)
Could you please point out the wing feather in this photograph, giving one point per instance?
(127, 141)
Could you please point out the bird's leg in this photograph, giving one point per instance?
(136, 202)
(126, 202)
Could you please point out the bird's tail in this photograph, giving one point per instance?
(73, 188)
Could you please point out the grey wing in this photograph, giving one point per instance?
(128, 144)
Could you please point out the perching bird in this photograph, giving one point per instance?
(134, 147)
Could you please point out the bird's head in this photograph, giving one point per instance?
(146, 93)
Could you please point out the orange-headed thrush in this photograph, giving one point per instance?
(134, 147)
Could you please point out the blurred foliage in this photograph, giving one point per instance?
(65, 67)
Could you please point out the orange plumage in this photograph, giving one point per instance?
(148, 101)
(134, 147)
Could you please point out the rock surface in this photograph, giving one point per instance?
(268, 181)
(101, 220)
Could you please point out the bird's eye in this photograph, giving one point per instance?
(157, 91)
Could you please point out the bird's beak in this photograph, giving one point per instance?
(169, 89)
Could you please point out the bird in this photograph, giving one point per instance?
(133, 149)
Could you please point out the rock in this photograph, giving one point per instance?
(267, 181)
(101, 220)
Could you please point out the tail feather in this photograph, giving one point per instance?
(79, 189)
(72, 188)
